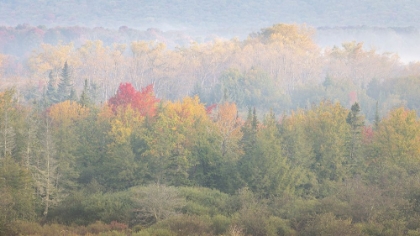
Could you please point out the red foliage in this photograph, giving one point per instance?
(143, 101)
(367, 133)
(353, 97)
(210, 108)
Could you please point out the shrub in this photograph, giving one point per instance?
(220, 224)
(328, 224)
(98, 227)
(187, 225)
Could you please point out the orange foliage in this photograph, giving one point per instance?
(229, 127)
(189, 110)
(66, 112)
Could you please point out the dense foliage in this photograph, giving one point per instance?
(279, 68)
(267, 136)
(136, 165)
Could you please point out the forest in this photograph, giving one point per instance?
(270, 135)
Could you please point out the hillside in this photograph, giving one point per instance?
(202, 118)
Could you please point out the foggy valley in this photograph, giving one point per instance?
(230, 118)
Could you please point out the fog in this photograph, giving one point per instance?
(198, 117)
(387, 26)
(403, 40)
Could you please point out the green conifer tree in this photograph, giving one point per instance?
(356, 122)
(65, 87)
(84, 97)
(51, 93)
(377, 118)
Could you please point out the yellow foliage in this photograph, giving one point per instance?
(124, 123)
(295, 36)
(139, 47)
(52, 58)
(229, 126)
(129, 116)
(105, 114)
(399, 136)
(65, 113)
(119, 131)
(92, 48)
(187, 111)
(227, 119)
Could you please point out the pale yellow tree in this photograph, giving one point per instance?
(52, 58)
(228, 126)
(150, 65)
(210, 60)
(139, 62)
(353, 62)
(102, 65)
(90, 54)
(287, 53)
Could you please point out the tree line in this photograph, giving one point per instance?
(141, 165)
(279, 68)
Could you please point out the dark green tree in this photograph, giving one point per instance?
(356, 122)
(247, 163)
(297, 146)
(85, 100)
(16, 194)
(51, 93)
(263, 167)
(377, 117)
(249, 130)
(278, 177)
(65, 86)
(73, 95)
(91, 147)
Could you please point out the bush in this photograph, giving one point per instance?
(155, 232)
(204, 201)
(220, 224)
(25, 228)
(328, 224)
(187, 225)
(280, 227)
(83, 210)
(98, 227)
(154, 203)
(113, 233)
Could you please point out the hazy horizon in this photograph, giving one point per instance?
(371, 22)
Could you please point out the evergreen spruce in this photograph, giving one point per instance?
(356, 121)
(73, 95)
(64, 91)
(84, 97)
(51, 93)
(377, 118)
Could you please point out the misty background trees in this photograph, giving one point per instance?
(280, 68)
(270, 135)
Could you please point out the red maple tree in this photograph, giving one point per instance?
(143, 101)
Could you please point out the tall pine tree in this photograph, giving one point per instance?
(65, 89)
(356, 122)
(85, 100)
(51, 93)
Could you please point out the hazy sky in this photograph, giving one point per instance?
(230, 18)
(209, 14)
